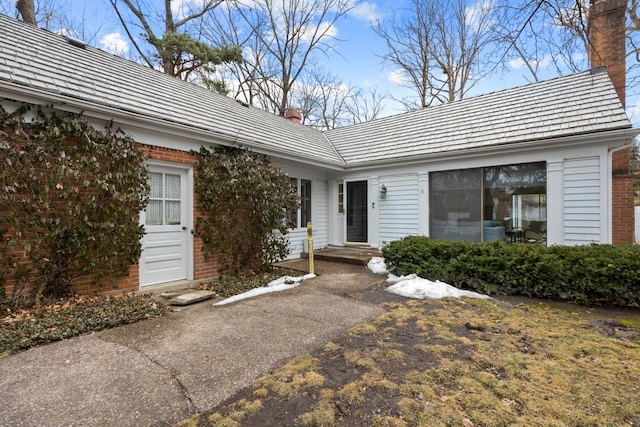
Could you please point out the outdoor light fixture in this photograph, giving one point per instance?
(383, 192)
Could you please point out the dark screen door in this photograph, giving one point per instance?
(357, 212)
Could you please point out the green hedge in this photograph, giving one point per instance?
(592, 275)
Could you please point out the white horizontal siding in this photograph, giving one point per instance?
(320, 216)
(398, 214)
(636, 210)
(582, 222)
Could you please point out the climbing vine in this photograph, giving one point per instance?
(634, 169)
(243, 199)
(71, 197)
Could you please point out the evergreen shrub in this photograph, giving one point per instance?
(590, 274)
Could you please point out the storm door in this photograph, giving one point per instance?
(357, 218)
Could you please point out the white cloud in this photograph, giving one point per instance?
(543, 63)
(65, 32)
(180, 8)
(572, 15)
(477, 15)
(579, 57)
(114, 43)
(366, 11)
(516, 64)
(397, 76)
(633, 111)
(327, 30)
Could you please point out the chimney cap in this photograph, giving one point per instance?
(293, 114)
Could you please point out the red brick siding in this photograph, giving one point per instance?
(607, 39)
(620, 162)
(622, 199)
(203, 268)
(623, 213)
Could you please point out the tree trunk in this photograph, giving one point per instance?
(27, 11)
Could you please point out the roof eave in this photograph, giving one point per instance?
(614, 138)
(27, 94)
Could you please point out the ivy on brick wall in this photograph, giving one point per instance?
(243, 200)
(634, 169)
(71, 197)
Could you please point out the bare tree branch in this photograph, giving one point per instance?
(554, 34)
(179, 53)
(285, 37)
(133, 40)
(438, 46)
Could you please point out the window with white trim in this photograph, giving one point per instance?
(299, 218)
(164, 199)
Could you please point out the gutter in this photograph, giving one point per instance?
(610, 154)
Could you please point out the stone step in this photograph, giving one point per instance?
(192, 297)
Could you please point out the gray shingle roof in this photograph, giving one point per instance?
(577, 104)
(34, 59)
(38, 59)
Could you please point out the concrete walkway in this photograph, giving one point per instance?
(160, 371)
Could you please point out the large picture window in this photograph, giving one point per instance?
(456, 205)
(506, 203)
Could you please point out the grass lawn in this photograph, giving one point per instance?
(456, 363)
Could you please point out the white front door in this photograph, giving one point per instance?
(165, 249)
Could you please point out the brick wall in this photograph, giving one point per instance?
(607, 48)
(622, 199)
(607, 40)
(203, 268)
(623, 212)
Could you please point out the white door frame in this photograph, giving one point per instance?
(187, 223)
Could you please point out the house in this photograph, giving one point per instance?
(534, 163)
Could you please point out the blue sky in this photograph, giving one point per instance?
(356, 59)
(362, 50)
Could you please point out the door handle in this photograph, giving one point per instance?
(184, 228)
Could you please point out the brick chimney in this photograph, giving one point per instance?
(606, 33)
(293, 114)
(607, 42)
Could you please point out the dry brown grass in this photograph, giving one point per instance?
(453, 363)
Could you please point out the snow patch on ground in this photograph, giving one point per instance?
(278, 285)
(412, 286)
(377, 265)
